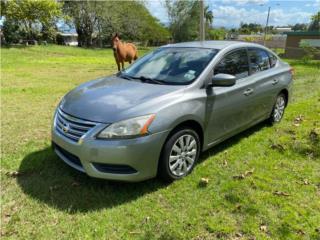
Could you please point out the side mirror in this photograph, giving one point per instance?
(223, 80)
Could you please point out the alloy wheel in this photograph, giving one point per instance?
(183, 155)
(279, 108)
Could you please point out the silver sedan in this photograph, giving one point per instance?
(158, 115)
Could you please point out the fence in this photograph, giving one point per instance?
(272, 41)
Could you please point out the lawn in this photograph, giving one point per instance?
(262, 184)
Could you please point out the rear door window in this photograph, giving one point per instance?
(259, 60)
(234, 63)
(273, 59)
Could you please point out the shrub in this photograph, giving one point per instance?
(310, 52)
(12, 32)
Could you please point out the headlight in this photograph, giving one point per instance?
(130, 128)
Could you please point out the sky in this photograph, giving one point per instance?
(230, 13)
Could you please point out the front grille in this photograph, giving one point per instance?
(71, 127)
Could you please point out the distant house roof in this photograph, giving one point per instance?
(283, 29)
(68, 34)
(314, 33)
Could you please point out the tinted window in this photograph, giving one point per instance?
(259, 60)
(172, 65)
(273, 60)
(235, 63)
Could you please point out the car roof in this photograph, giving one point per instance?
(214, 44)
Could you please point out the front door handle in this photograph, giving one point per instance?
(275, 81)
(248, 91)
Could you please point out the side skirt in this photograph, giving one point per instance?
(216, 142)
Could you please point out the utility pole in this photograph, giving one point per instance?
(201, 29)
(266, 28)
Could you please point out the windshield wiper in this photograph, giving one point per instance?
(141, 78)
(150, 80)
(125, 76)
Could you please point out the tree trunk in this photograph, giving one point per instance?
(84, 37)
(81, 37)
(30, 33)
(88, 40)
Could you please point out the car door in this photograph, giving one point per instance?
(266, 81)
(229, 108)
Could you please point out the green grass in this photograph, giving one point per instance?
(42, 198)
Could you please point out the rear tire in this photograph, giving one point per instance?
(278, 109)
(179, 155)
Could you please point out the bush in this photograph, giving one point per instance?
(12, 32)
(49, 34)
(217, 34)
(309, 52)
(250, 39)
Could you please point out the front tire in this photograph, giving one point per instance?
(278, 109)
(179, 155)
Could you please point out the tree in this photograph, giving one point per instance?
(217, 34)
(134, 22)
(3, 8)
(184, 19)
(315, 22)
(300, 27)
(208, 15)
(85, 15)
(249, 28)
(97, 21)
(31, 16)
(11, 31)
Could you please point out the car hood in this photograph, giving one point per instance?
(112, 99)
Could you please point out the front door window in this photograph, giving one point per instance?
(235, 63)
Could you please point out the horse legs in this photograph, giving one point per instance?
(118, 64)
(117, 59)
(122, 63)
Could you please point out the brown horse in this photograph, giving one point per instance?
(123, 52)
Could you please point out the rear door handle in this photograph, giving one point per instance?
(275, 81)
(248, 91)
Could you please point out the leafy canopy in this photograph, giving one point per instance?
(31, 15)
(315, 22)
(184, 18)
(101, 19)
(42, 11)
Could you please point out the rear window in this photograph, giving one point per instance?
(259, 60)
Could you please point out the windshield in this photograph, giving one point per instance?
(178, 66)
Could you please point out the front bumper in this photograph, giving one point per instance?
(124, 160)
